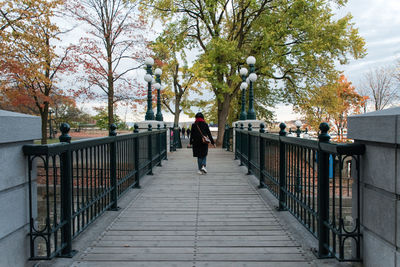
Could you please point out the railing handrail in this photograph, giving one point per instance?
(329, 147)
(37, 149)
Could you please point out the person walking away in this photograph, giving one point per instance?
(188, 133)
(183, 132)
(199, 131)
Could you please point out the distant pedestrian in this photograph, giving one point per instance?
(188, 132)
(183, 132)
(200, 137)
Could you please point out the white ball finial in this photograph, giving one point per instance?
(253, 77)
(158, 71)
(149, 61)
(148, 78)
(157, 86)
(243, 71)
(251, 60)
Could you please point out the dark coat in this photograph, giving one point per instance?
(200, 149)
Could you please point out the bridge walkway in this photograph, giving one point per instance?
(181, 218)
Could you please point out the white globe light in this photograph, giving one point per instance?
(243, 71)
(149, 61)
(248, 80)
(298, 123)
(253, 77)
(157, 86)
(158, 71)
(148, 78)
(153, 81)
(243, 85)
(251, 60)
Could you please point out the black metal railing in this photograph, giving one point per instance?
(227, 142)
(312, 180)
(175, 138)
(78, 181)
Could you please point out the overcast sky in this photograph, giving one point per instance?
(378, 22)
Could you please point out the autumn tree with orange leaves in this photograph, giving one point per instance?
(114, 46)
(29, 65)
(332, 103)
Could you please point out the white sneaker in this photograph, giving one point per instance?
(199, 172)
(203, 169)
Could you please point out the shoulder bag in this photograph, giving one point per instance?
(204, 139)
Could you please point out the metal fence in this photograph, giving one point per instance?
(227, 142)
(175, 138)
(312, 180)
(78, 181)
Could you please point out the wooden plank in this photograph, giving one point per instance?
(182, 219)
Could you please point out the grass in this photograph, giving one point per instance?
(49, 141)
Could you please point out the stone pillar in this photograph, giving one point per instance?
(16, 130)
(380, 185)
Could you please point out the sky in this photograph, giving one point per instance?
(378, 22)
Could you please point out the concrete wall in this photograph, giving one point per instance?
(380, 185)
(16, 131)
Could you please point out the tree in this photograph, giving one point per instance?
(295, 42)
(115, 42)
(29, 65)
(179, 79)
(102, 120)
(333, 103)
(381, 87)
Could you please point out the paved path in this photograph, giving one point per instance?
(186, 219)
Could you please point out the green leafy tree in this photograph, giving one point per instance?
(178, 78)
(101, 119)
(332, 103)
(296, 44)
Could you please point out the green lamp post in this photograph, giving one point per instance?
(157, 86)
(251, 114)
(243, 72)
(149, 62)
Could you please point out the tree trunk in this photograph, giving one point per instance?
(177, 110)
(44, 117)
(110, 81)
(223, 111)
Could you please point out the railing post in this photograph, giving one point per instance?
(149, 142)
(137, 176)
(262, 155)
(66, 194)
(228, 137)
(236, 140)
(241, 144)
(159, 144)
(113, 168)
(282, 169)
(250, 128)
(323, 194)
(166, 141)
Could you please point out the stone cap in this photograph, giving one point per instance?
(17, 127)
(379, 126)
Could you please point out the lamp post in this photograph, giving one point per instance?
(149, 78)
(251, 114)
(157, 86)
(243, 86)
(298, 125)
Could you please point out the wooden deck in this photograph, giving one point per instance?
(185, 219)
